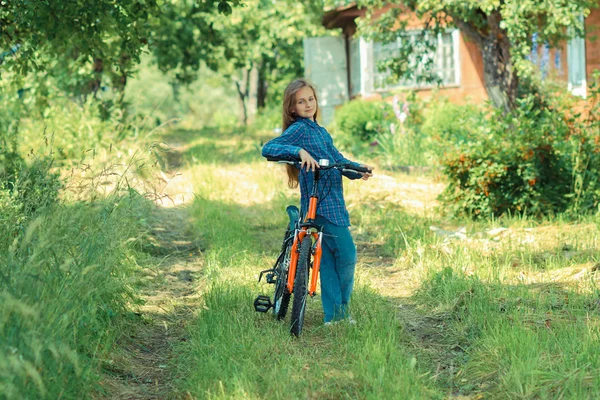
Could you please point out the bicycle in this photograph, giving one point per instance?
(300, 252)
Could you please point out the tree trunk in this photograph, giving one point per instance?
(176, 88)
(243, 89)
(500, 78)
(261, 90)
(242, 99)
(119, 80)
(96, 83)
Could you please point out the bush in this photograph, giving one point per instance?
(360, 120)
(422, 139)
(583, 121)
(541, 159)
(444, 122)
(211, 100)
(268, 120)
(24, 191)
(35, 186)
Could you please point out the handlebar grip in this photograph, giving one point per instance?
(357, 169)
(283, 160)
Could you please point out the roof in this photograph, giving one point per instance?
(342, 17)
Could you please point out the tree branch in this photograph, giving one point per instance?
(493, 20)
(468, 29)
(239, 89)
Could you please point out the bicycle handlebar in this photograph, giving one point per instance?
(344, 167)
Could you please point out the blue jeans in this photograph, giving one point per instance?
(337, 269)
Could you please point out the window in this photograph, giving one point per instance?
(446, 65)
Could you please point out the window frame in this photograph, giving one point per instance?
(455, 36)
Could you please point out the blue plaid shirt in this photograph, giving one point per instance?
(306, 134)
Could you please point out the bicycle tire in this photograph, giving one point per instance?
(301, 286)
(281, 295)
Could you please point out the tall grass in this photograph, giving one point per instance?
(232, 352)
(523, 327)
(66, 285)
(71, 227)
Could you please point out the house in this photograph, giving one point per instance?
(344, 67)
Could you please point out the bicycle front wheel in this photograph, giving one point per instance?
(301, 286)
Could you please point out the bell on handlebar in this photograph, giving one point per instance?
(323, 162)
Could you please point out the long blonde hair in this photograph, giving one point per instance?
(289, 117)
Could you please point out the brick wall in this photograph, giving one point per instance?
(592, 43)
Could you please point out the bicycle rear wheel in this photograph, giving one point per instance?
(281, 297)
(301, 286)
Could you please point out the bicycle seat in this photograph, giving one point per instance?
(294, 214)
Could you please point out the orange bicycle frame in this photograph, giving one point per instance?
(318, 251)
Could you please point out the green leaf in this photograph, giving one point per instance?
(224, 8)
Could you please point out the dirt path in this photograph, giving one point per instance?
(170, 293)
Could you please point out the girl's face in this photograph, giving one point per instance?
(306, 104)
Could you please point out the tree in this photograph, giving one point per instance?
(501, 29)
(263, 45)
(78, 47)
(100, 37)
(183, 37)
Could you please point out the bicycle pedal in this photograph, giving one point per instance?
(262, 303)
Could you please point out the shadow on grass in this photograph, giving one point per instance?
(481, 338)
(469, 337)
(549, 260)
(232, 341)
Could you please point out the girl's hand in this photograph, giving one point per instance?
(311, 163)
(366, 176)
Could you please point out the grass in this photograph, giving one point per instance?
(522, 317)
(240, 218)
(489, 313)
(67, 283)
(70, 255)
(499, 315)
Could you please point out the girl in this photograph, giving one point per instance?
(304, 139)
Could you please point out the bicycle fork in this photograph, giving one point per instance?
(317, 251)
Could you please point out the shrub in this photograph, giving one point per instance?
(268, 119)
(362, 120)
(35, 186)
(24, 190)
(444, 121)
(583, 121)
(422, 139)
(540, 159)
(404, 147)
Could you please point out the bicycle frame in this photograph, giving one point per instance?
(307, 229)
